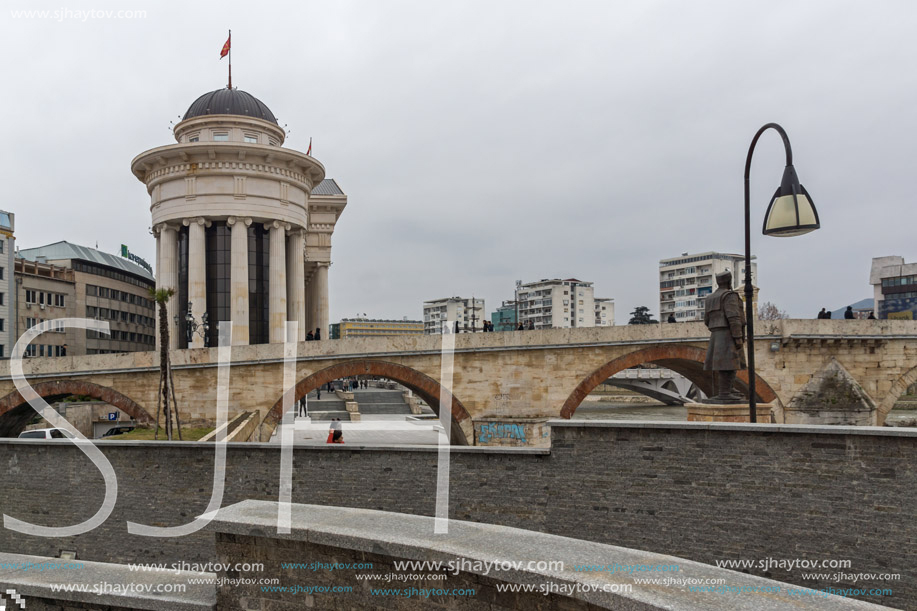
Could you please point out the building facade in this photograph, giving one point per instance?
(685, 281)
(504, 318)
(7, 284)
(604, 312)
(560, 304)
(894, 285)
(467, 313)
(64, 280)
(371, 327)
(243, 225)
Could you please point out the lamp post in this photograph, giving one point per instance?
(192, 327)
(790, 213)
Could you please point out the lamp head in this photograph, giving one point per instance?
(791, 211)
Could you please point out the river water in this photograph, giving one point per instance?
(608, 410)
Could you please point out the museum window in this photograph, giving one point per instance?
(258, 277)
(251, 138)
(220, 137)
(182, 293)
(195, 137)
(218, 244)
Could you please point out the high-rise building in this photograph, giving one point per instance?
(63, 280)
(894, 285)
(604, 312)
(684, 282)
(556, 303)
(464, 315)
(372, 327)
(243, 225)
(7, 285)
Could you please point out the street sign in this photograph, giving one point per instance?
(112, 415)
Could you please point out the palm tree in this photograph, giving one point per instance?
(166, 386)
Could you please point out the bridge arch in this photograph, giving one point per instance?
(421, 384)
(685, 360)
(15, 411)
(897, 389)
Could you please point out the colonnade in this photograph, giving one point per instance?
(289, 297)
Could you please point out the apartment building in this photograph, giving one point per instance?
(684, 282)
(559, 304)
(467, 313)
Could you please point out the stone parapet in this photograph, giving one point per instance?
(734, 412)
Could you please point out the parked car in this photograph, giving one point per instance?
(118, 430)
(46, 434)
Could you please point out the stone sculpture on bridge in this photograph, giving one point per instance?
(726, 351)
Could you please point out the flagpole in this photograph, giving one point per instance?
(230, 59)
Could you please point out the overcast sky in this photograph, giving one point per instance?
(484, 142)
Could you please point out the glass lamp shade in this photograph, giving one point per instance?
(791, 211)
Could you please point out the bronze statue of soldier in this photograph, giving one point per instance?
(724, 317)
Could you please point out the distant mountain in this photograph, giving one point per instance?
(862, 304)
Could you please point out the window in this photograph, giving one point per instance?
(1, 298)
(1, 324)
(220, 137)
(196, 137)
(91, 290)
(41, 298)
(272, 141)
(251, 138)
(30, 296)
(2, 246)
(1, 273)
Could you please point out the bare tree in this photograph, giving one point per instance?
(769, 311)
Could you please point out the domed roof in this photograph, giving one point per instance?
(229, 102)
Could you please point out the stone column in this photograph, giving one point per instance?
(168, 274)
(296, 281)
(320, 297)
(277, 284)
(239, 279)
(307, 294)
(197, 272)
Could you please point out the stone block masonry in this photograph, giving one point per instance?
(706, 492)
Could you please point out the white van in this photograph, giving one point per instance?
(46, 434)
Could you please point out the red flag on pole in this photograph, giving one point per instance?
(225, 50)
(309, 152)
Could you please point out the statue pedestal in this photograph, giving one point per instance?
(732, 412)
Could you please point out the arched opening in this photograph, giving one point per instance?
(899, 407)
(420, 384)
(16, 413)
(685, 360)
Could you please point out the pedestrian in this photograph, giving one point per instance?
(531, 325)
(318, 334)
(309, 336)
(822, 314)
(318, 393)
(302, 408)
(827, 314)
(337, 431)
(671, 318)
(848, 315)
(519, 327)
(872, 316)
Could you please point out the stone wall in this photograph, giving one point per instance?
(705, 492)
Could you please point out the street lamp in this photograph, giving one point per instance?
(192, 327)
(790, 213)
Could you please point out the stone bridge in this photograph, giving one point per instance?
(505, 384)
